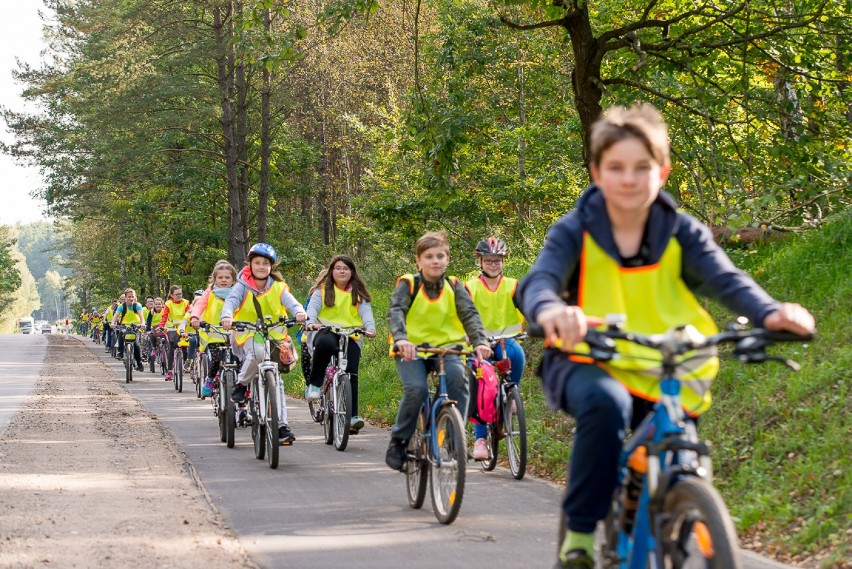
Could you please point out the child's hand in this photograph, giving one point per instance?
(483, 351)
(370, 333)
(406, 349)
(313, 326)
(193, 322)
(791, 317)
(301, 316)
(565, 325)
(226, 323)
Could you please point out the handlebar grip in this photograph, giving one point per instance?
(784, 336)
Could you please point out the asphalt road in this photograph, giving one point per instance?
(325, 508)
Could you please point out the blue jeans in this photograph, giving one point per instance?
(413, 376)
(602, 408)
(193, 345)
(519, 361)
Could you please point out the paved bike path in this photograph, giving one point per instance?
(21, 360)
(322, 507)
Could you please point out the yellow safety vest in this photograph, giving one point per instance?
(129, 316)
(433, 320)
(270, 305)
(145, 312)
(176, 313)
(499, 314)
(654, 299)
(342, 313)
(212, 314)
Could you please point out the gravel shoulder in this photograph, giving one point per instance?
(89, 478)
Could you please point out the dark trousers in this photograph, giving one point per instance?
(137, 353)
(325, 346)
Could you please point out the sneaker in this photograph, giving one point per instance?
(139, 366)
(312, 393)
(168, 376)
(238, 395)
(480, 450)
(395, 455)
(285, 435)
(207, 387)
(575, 559)
(357, 424)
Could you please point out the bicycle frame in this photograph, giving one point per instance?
(430, 408)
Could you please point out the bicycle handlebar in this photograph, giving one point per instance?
(516, 336)
(260, 326)
(750, 344)
(457, 350)
(340, 330)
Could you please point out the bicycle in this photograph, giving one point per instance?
(511, 422)
(665, 511)
(129, 333)
(266, 392)
(160, 354)
(223, 408)
(334, 407)
(195, 365)
(439, 445)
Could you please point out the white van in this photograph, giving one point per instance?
(26, 325)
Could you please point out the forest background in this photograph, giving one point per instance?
(174, 133)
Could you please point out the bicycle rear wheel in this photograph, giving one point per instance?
(343, 411)
(696, 530)
(492, 440)
(328, 417)
(447, 478)
(516, 432)
(177, 370)
(416, 464)
(270, 387)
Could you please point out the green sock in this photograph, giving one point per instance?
(575, 540)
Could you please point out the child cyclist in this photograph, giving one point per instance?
(127, 313)
(494, 296)
(429, 307)
(339, 298)
(627, 249)
(174, 309)
(208, 308)
(259, 285)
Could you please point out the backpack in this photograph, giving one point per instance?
(483, 393)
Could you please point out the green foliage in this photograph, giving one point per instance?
(10, 277)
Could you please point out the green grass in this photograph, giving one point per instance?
(782, 447)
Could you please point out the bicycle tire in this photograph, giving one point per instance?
(416, 465)
(152, 360)
(447, 479)
(343, 412)
(696, 529)
(177, 370)
(128, 364)
(492, 441)
(219, 409)
(516, 433)
(317, 414)
(270, 387)
(328, 417)
(230, 408)
(258, 429)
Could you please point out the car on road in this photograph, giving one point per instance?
(46, 329)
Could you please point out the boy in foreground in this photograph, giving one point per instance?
(626, 249)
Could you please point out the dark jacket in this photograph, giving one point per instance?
(706, 271)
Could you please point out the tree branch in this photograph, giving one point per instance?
(548, 24)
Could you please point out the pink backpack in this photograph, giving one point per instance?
(483, 393)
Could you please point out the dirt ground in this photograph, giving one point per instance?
(88, 478)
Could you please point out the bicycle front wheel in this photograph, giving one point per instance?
(270, 387)
(696, 531)
(448, 471)
(516, 432)
(258, 428)
(128, 364)
(230, 408)
(177, 370)
(342, 411)
(416, 464)
(492, 440)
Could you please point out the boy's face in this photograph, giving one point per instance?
(149, 303)
(158, 305)
(260, 267)
(629, 177)
(130, 297)
(433, 262)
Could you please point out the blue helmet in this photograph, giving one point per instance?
(264, 250)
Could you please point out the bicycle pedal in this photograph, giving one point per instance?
(286, 443)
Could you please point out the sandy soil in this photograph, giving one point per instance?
(88, 478)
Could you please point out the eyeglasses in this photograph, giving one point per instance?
(492, 261)
(178, 294)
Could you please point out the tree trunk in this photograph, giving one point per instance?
(225, 70)
(586, 75)
(265, 140)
